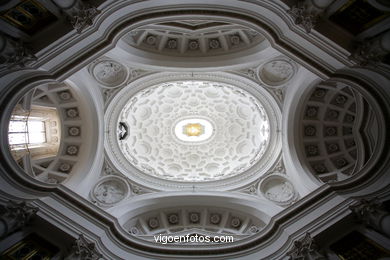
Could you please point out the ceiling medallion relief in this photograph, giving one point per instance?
(274, 186)
(177, 134)
(108, 73)
(277, 72)
(278, 189)
(275, 75)
(110, 190)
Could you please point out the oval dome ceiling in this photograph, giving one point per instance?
(178, 131)
(193, 131)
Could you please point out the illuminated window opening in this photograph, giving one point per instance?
(35, 132)
(24, 130)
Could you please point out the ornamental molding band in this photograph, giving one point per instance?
(340, 131)
(193, 38)
(133, 143)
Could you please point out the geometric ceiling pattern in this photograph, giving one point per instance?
(339, 131)
(179, 132)
(193, 38)
(157, 121)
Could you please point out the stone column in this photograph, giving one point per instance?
(80, 14)
(372, 51)
(371, 213)
(13, 53)
(83, 250)
(305, 249)
(307, 12)
(14, 216)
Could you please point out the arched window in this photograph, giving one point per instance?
(34, 132)
(26, 131)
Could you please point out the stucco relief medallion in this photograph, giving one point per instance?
(109, 73)
(277, 72)
(278, 189)
(110, 190)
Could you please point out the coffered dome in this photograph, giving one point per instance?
(184, 131)
(193, 130)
